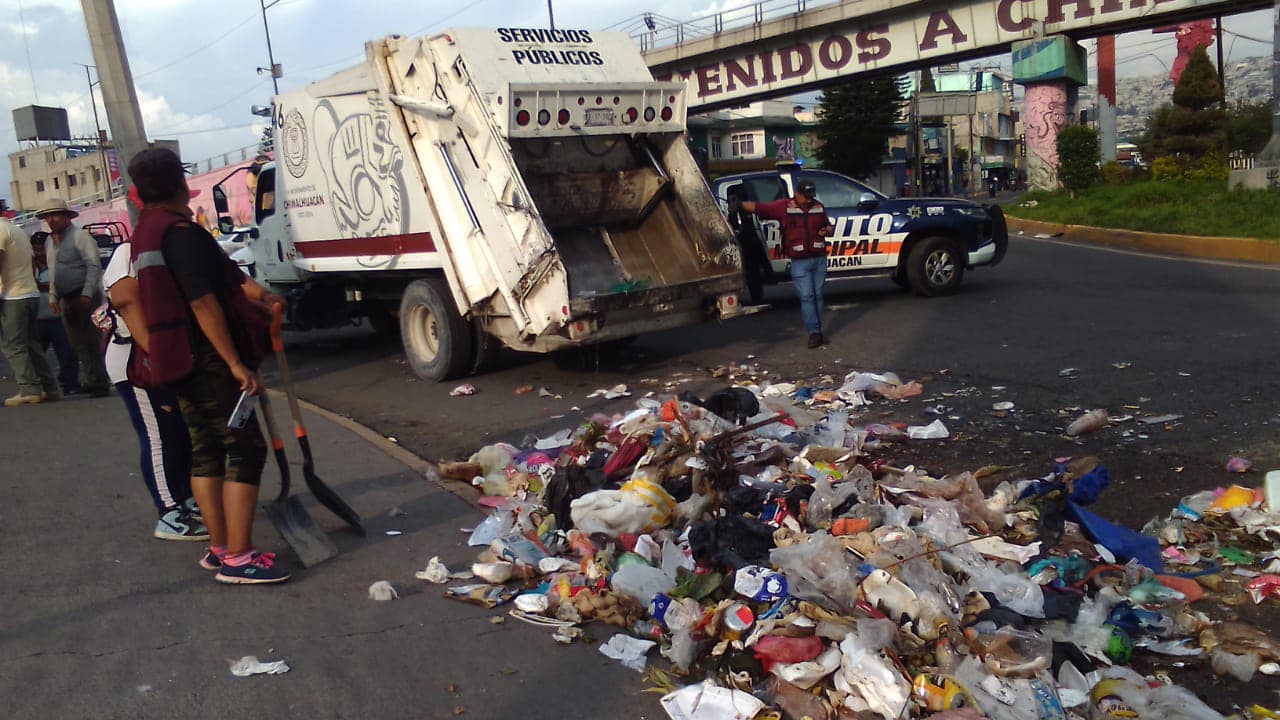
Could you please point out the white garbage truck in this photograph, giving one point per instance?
(523, 187)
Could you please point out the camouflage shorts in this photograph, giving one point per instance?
(208, 397)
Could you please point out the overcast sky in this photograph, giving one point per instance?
(194, 61)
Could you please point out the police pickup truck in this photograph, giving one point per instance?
(922, 243)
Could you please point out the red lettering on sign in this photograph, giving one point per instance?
(941, 23)
(1083, 10)
(709, 80)
(790, 56)
(1004, 16)
(735, 73)
(766, 67)
(835, 52)
(872, 47)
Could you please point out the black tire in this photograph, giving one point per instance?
(438, 342)
(935, 266)
(899, 278)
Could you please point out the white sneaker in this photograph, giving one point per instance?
(23, 399)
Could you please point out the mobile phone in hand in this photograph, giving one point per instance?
(244, 410)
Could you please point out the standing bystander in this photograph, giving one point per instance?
(206, 334)
(75, 289)
(19, 306)
(52, 333)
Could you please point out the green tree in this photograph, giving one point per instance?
(1249, 126)
(1192, 128)
(855, 122)
(1078, 154)
(266, 143)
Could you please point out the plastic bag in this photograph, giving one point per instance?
(708, 701)
(641, 582)
(639, 506)
(826, 498)
(935, 430)
(773, 650)
(806, 674)
(831, 431)
(1013, 590)
(627, 650)
(868, 674)
(820, 571)
(382, 591)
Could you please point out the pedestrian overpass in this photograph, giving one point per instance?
(781, 47)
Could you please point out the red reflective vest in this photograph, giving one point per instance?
(801, 227)
(168, 359)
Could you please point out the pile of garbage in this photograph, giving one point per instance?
(753, 539)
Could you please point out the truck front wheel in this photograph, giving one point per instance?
(438, 341)
(935, 266)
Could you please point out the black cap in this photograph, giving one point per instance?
(806, 187)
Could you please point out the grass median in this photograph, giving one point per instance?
(1184, 208)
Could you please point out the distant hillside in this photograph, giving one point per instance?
(1138, 97)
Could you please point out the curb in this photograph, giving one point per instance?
(1198, 246)
(427, 469)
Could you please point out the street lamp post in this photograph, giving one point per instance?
(97, 127)
(271, 58)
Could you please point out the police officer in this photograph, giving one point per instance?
(805, 228)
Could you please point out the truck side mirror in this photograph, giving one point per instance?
(867, 201)
(225, 224)
(220, 203)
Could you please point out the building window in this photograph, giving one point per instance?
(39, 186)
(22, 162)
(71, 179)
(717, 146)
(742, 144)
(48, 156)
(97, 176)
(56, 186)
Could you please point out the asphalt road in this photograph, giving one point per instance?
(1057, 329)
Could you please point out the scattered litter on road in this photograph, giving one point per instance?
(766, 541)
(1239, 465)
(545, 393)
(461, 390)
(1160, 419)
(250, 665)
(435, 572)
(395, 511)
(382, 591)
(613, 393)
(394, 533)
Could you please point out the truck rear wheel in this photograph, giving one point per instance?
(438, 341)
(935, 266)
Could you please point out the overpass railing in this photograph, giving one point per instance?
(652, 31)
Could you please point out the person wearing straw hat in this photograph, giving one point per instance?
(19, 307)
(75, 289)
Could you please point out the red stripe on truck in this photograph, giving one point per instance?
(364, 247)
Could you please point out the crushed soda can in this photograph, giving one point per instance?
(941, 692)
(738, 619)
(760, 584)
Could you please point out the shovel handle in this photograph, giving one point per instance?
(277, 445)
(282, 364)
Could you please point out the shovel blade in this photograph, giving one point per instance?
(295, 525)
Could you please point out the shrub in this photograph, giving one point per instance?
(1078, 152)
(1115, 173)
(1166, 169)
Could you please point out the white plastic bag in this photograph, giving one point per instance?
(627, 650)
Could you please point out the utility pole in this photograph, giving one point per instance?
(124, 116)
(1107, 96)
(271, 58)
(1270, 155)
(97, 130)
(551, 15)
(1222, 67)
(951, 168)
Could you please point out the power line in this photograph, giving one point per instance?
(198, 50)
(1246, 37)
(446, 18)
(26, 42)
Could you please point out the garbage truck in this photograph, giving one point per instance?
(479, 188)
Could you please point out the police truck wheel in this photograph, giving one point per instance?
(935, 266)
(438, 341)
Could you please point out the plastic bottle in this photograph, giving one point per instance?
(1088, 422)
(1271, 489)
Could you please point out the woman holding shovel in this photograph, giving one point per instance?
(207, 333)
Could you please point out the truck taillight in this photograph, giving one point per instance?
(631, 115)
(648, 114)
(563, 117)
(522, 118)
(666, 114)
(544, 116)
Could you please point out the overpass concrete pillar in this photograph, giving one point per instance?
(1051, 69)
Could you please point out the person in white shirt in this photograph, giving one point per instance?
(163, 440)
(19, 308)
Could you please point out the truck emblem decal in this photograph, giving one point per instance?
(293, 144)
(914, 212)
(365, 169)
